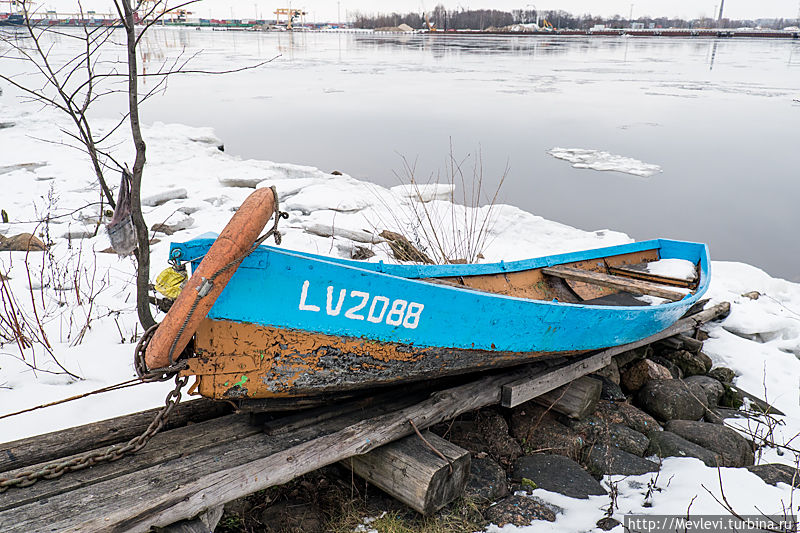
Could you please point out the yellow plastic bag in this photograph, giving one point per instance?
(170, 282)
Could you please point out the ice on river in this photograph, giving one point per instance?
(599, 160)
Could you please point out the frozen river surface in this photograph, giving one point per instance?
(718, 117)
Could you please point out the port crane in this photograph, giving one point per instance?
(291, 14)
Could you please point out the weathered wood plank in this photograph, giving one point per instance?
(576, 399)
(412, 473)
(182, 488)
(633, 286)
(165, 446)
(640, 273)
(531, 387)
(54, 445)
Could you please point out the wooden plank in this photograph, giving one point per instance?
(183, 487)
(411, 472)
(164, 447)
(43, 448)
(525, 389)
(632, 272)
(632, 286)
(576, 399)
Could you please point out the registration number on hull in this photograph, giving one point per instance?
(360, 305)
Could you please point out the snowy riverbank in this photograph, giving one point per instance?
(90, 321)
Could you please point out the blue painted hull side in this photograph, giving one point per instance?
(302, 291)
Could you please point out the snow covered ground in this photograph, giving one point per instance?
(90, 320)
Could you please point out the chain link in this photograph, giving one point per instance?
(54, 470)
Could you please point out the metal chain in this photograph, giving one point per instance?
(54, 470)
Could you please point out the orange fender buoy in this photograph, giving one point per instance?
(235, 240)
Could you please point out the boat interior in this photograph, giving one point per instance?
(618, 280)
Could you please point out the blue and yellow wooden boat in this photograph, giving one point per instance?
(293, 324)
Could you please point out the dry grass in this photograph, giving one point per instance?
(452, 230)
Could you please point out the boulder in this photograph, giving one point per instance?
(732, 398)
(607, 523)
(713, 388)
(672, 399)
(519, 511)
(611, 390)
(674, 371)
(557, 473)
(487, 433)
(538, 430)
(628, 357)
(611, 371)
(734, 449)
(597, 431)
(722, 374)
(487, 480)
(774, 473)
(637, 374)
(668, 444)
(689, 363)
(609, 460)
(21, 243)
(627, 415)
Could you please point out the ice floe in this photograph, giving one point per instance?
(600, 160)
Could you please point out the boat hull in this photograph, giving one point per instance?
(295, 324)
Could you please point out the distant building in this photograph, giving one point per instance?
(637, 25)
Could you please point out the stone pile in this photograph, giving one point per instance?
(663, 400)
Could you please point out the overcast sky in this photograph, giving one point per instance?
(326, 10)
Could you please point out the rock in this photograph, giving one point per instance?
(597, 431)
(610, 371)
(164, 197)
(487, 480)
(672, 399)
(627, 415)
(625, 358)
(538, 430)
(753, 295)
(22, 242)
(713, 388)
(610, 460)
(722, 374)
(668, 444)
(610, 391)
(774, 473)
(607, 523)
(689, 363)
(637, 374)
(734, 449)
(336, 173)
(731, 398)
(674, 371)
(488, 433)
(6, 125)
(706, 360)
(494, 431)
(361, 253)
(557, 473)
(519, 511)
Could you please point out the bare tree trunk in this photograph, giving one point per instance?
(143, 248)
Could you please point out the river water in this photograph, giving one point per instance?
(718, 116)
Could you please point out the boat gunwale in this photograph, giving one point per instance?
(415, 272)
